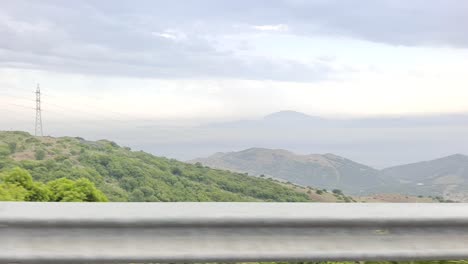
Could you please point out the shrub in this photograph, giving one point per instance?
(4, 150)
(18, 185)
(12, 146)
(40, 154)
(176, 171)
(337, 192)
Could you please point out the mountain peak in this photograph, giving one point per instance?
(288, 115)
(457, 156)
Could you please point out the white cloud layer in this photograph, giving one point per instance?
(278, 27)
(233, 59)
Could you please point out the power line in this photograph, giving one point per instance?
(18, 97)
(38, 128)
(95, 113)
(65, 113)
(17, 105)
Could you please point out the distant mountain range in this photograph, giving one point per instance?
(305, 120)
(447, 177)
(380, 142)
(325, 171)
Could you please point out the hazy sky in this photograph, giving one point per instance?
(232, 59)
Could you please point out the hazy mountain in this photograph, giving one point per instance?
(291, 116)
(379, 142)
(304, 120)
(455, 166)
(281, 118)
(324, 171)
(446, 176)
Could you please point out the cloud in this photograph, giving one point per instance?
(278, 27)
(394, 22)
(180, 39)
(165, 35)
(171, 34)
(97, 39)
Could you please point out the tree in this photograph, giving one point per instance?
(337, 192)
(11, 192)
(19, 177)
(40, 154)
(12, 146)
(176, 171)
(18, 185)
(137, 196)
(81, 190)
(4, 150)
(39, 193)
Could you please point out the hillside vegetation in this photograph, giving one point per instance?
(445, 178)
(125, 175)
(18, 185)
(323, 171)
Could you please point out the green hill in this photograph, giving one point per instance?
(446, 177)
(324, 171)
(125, 175)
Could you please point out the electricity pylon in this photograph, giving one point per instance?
(38, 129)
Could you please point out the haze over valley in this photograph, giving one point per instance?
(379, 142)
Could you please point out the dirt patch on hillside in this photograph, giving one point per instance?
(27, 155)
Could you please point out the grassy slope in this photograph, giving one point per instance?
(124, 175)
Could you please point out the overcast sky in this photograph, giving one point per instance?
(155, 60)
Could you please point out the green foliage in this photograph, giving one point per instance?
(137, 195)
(81, 190)
(319, 192)
(18, 185)
(40, 154)
(39, 192)
(123, 175)
(337, 192)
(12, 192)
(4, 150)
(19, 177)
(12, 146)
(176, 171)
(442, 200)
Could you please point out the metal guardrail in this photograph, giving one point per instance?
(215, 232)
